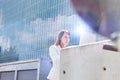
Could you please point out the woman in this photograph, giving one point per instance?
(61, 42)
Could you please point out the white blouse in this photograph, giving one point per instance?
(54, 52)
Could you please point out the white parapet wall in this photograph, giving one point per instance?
(90, 62)
(20, 70)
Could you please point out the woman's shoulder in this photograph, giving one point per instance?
(54, 46)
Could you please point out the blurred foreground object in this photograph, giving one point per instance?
(101, 15)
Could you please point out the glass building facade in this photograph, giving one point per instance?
(29, 27)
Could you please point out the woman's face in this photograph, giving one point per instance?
(65, 39)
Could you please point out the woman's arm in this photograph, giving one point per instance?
(54, 53)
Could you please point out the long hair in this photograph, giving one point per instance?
(60, 34)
